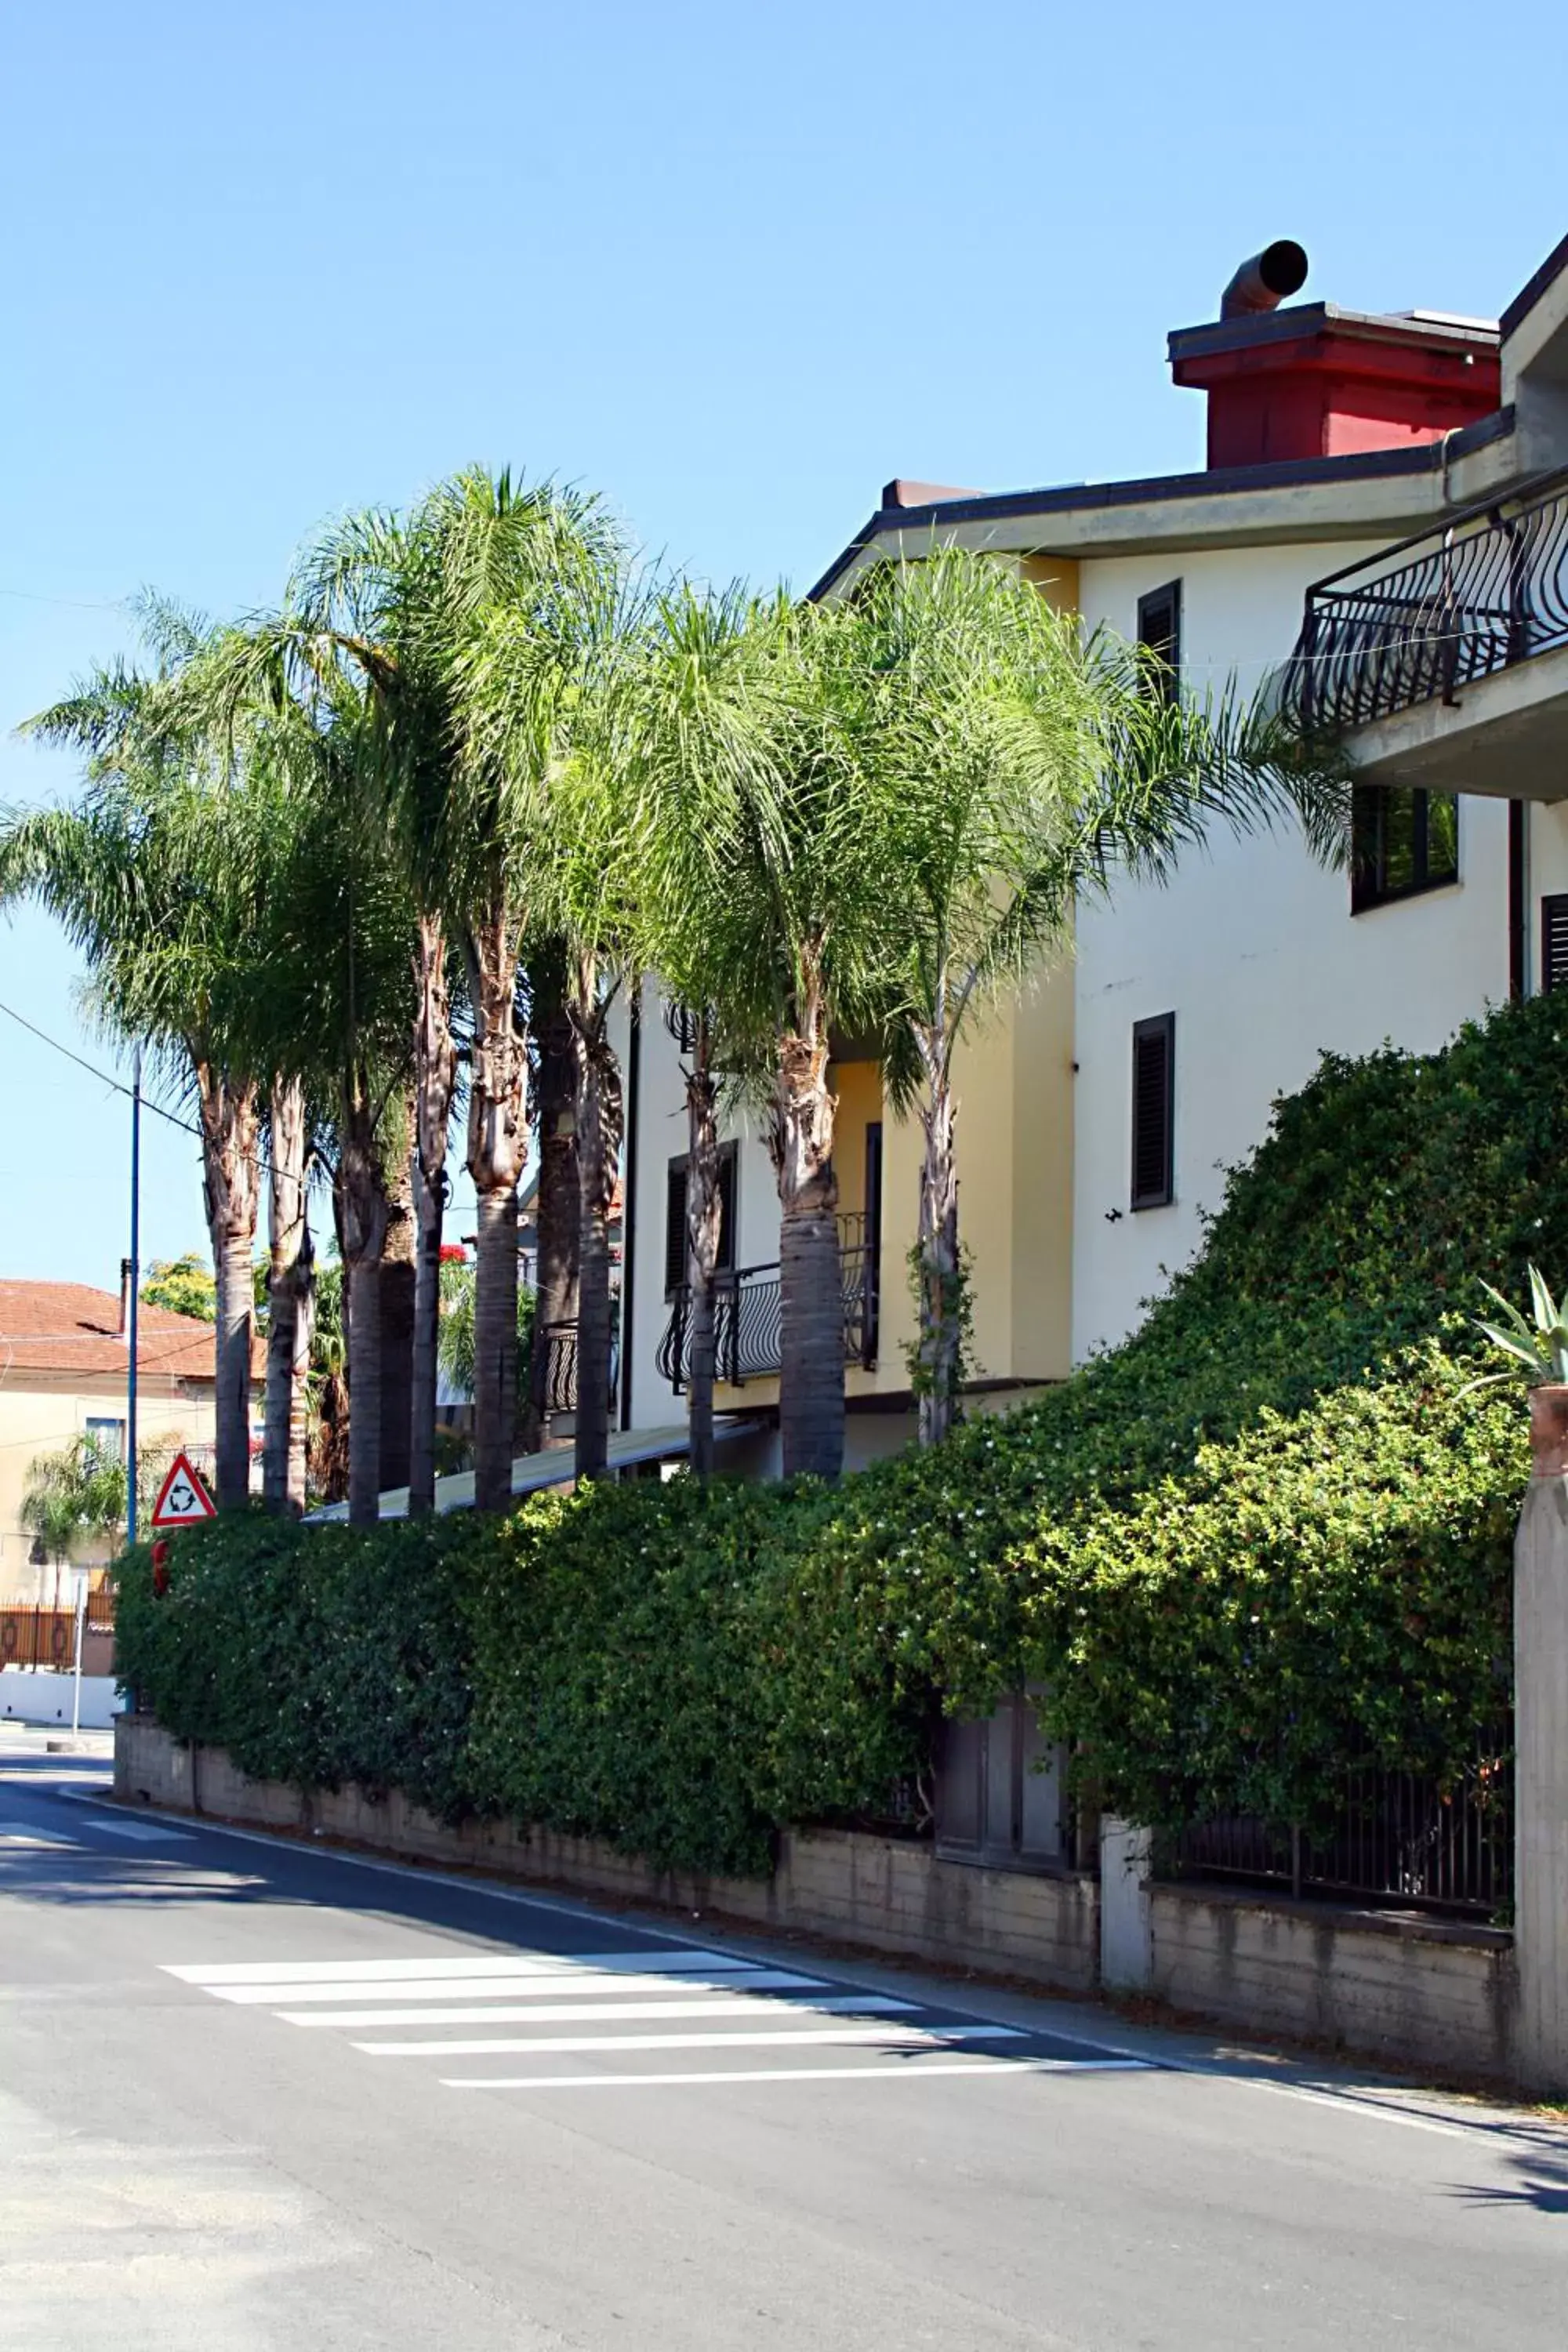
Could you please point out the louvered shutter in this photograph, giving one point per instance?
(728, 1164)
(675, 1228)
(1554, 942)
(1153, 1057)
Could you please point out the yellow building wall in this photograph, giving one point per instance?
(42, 1418)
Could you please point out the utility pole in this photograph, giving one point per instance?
(135, 1287)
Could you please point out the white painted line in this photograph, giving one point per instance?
(902, 2037)
(22, 1834)
(491, 1964)
(589, 2012)
(142, 1831)
(1000, 2070)
(547, 1984)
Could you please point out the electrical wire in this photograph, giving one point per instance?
(105, 1078)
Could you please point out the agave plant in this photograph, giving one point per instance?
(1539, 1347)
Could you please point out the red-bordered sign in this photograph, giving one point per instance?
(183, 1500)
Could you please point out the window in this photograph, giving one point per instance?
(675, 1219)
(108, 1437)
(1153, 1111)
(1403, 840)
(1160, 630)
(1553, 943)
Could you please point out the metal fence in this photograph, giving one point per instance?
(1395, 1837)
(1434, 615)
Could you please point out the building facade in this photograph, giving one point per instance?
(64, 1363)
(1099, 1112)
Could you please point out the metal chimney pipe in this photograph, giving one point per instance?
(1265, 281)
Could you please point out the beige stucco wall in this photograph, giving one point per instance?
(38, 1415)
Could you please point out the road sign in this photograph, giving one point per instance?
(183, 1500)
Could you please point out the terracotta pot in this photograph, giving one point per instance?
(1548, 1431)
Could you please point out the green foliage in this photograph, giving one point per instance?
(1266, 1538)
(80, 1491)
(183, 1284)
(455, 1335)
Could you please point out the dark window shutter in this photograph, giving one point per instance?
(675, 1228)
(729, 1162)
(1553, 943)
(1159, 631)
(1154, 1105)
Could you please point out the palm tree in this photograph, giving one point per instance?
(291, 1292)
(703, 726)
(1013, 766)
(81, 1491)
(160, 878)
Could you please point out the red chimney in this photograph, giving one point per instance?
(1316, 381)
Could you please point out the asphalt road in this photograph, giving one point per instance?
(255, 2098)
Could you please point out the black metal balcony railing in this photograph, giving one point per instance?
(554, 1367)
(747, 1306)
(1434, 615)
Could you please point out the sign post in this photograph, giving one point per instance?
(79, 1577)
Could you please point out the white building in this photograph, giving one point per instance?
(1098, 1117)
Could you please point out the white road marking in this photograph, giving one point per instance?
(999, 2069)
(902, 2037)
(493, 1964)
(24, 1833)
(142, 1831)
(547, 1985)
(590, 2013)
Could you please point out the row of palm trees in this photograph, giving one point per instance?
(350, 867)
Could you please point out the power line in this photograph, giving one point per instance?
(105, 1078)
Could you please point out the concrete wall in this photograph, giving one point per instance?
(1395, 1986)
(46, 1697)
(889, 1895)
(1424, 1991)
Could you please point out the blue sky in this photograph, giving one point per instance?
(735, 267)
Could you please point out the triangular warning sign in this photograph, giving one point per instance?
(182, 1499)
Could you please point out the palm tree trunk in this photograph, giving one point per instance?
(435, 1078)
(559, 1211)
(703, 1213)
(229, 1178)
(495, 1348)
(937, 1356)
(498, 1148)
(811, 1292)
(599, 1124)
(398, 1279)
(361, 1206)
(288, 1288)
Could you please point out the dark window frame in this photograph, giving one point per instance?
(730, 1174)
(1160, 1194)
(1159, 632)
(1370, 808)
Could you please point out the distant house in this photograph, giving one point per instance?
(63, 1360)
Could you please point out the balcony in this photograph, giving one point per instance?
(554, 1367)
(746, 1316)
(1444, 662)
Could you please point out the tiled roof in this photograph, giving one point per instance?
(65, 1326)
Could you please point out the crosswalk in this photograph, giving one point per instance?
(637, 2015)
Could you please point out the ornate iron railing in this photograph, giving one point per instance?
(554, 1367)
(1395, 1837)
(1434, 615)
(747, 1313)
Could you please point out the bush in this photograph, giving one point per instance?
(1265, 1539)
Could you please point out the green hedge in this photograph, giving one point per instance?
(1265, 1538)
